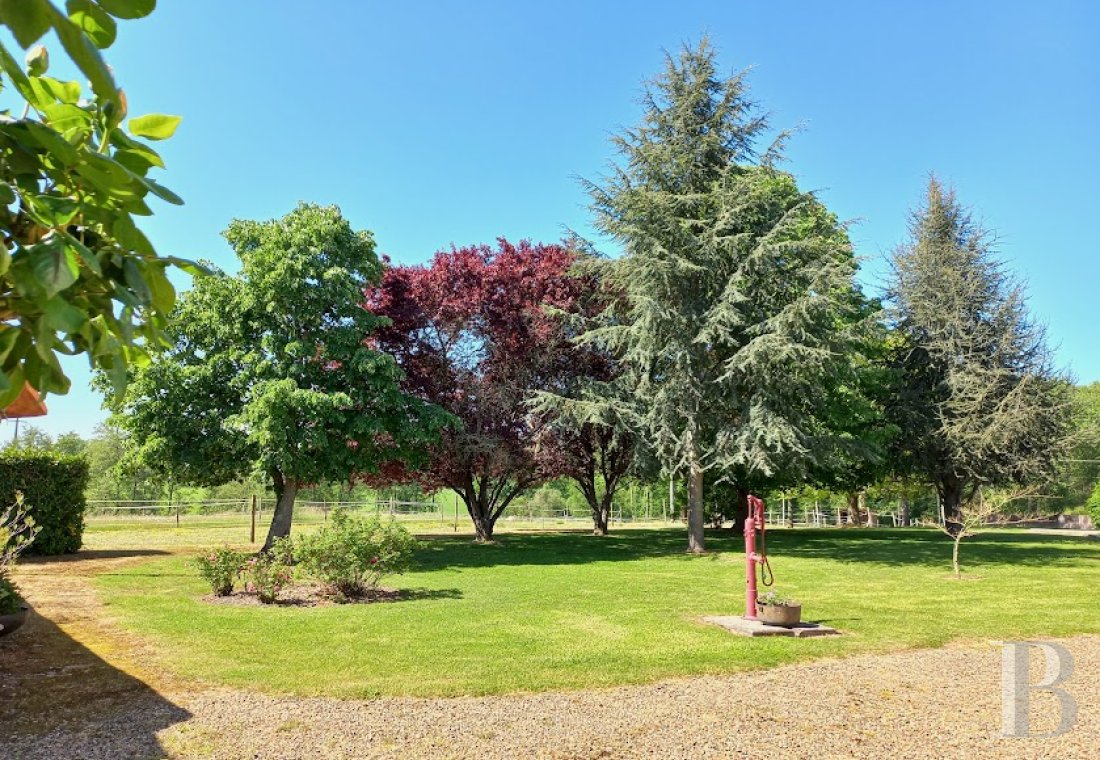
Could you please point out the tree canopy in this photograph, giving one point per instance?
(271, 370)
(737, 287)
(979, 402)
(471, 333)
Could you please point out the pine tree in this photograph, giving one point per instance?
(979, 401)
(737, 287)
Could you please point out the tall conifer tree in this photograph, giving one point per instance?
(979, 401)
(737, 287)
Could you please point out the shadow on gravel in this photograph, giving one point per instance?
(59, 699)
(906, 546)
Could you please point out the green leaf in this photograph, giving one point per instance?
(63, 316)
(164, 295)
(86, 255)
(52, 210)
(130, 237)
(8, 336)
(192, 268)
(135, 279)
(122, 141)
(53, 265)
(5, 258)
(47, 90)
(12, 68)
(38, 61)
(27, 19)
(154, 126)
(162, 192)
(94, 21)
(129, 8)
(85, 56)
(66, 118)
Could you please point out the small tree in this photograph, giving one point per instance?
(978, 401)
(977, 513)
(271, 370)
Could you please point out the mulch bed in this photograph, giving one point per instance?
(306, 595)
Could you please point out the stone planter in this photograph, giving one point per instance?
(11, 623)
(784, 615)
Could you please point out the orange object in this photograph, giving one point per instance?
(27, 404)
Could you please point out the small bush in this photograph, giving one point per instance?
(265, 576)
(1092, 506)
(53, 486)
(219, 568)
(9, 597)
(17, 531)
(351, 555)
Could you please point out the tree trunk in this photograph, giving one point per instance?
(903, 508)
(601, 516)
(955, 556)
(741, 512)
(855, 517)
(286, 491)
(951, 492)
(696, 544)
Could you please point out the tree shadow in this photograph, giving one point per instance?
(884, 546)
(59, 699)
(89, 554)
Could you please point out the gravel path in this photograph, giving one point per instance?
(929, 704)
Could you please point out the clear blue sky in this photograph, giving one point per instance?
(439, 122)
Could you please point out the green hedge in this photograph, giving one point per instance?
(53, 488)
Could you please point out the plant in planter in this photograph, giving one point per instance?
(265, 576)
(219, 568)
(774, 609)
(17, 531)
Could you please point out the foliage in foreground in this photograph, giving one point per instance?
(351, 554)
(77, 276)
(17, 531)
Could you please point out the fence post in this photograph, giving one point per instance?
(252, 532)
(177, 514)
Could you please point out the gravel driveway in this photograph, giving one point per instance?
(941, 703)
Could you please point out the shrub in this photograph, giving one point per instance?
(351, 555)
(53, 487)
(17, 531)
(219, 568)
(1092, 506)
(265, 576)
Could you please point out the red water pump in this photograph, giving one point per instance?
(754, 521)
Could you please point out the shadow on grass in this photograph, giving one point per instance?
(59, 699)
(874, 546)
(90, 554)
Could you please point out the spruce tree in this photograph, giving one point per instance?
(736, 287)
(978, 400)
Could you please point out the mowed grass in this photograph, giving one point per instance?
(568, 610)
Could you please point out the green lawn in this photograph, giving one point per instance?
(565, 610)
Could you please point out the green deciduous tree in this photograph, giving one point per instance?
(979, 402)
(737, 289)
(77, 275)
(271, 369)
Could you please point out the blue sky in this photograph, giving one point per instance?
(438, 122)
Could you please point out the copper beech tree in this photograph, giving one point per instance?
(477, 331)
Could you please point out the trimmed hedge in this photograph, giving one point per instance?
(53, 489)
